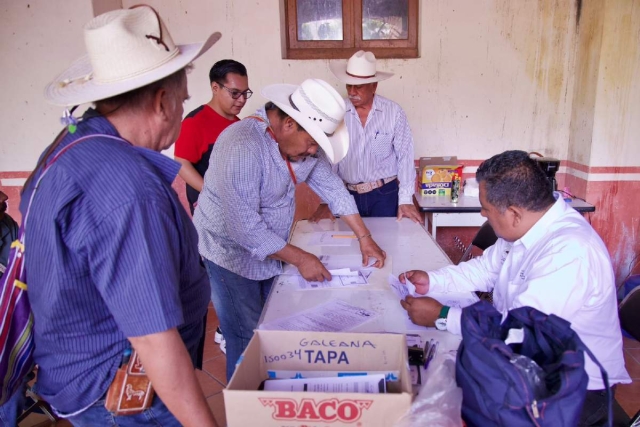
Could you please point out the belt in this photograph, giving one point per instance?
(365, 187)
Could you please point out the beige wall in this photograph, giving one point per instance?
(616, 131)
(493, 74)
(39, 38)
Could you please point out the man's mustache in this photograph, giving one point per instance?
(355, 98)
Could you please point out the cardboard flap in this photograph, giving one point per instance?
(326, 351)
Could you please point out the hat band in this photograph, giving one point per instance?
(359, 77)
(297, 109)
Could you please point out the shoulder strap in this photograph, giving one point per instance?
(46, 168)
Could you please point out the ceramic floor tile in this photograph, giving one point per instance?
(217, 368)
(208, 384)
(216, 404)
(628, 395)
(211, 349)
(630, 343)
(632, 362)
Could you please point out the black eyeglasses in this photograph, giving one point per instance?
(235, 93)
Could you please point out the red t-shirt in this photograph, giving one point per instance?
(199, 131)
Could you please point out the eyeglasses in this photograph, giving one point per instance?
(235, 93)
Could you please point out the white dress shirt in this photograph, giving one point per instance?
(381, 149)
(560, 267)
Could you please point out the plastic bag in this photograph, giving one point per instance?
(533, 373)
(439, 402)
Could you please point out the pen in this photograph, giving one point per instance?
(432, 353)
(344, 236)
(427, 348)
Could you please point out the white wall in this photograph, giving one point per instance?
(493, 74)
(39, 38)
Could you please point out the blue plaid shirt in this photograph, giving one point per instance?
(246, 207)
(110, 253)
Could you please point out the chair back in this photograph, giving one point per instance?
(484, 238)
(629, 311)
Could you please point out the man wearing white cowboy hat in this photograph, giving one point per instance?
(245, 211)
(111, 254)
(379, 167)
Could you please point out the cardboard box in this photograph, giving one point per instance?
(317, 351)
(436, 173)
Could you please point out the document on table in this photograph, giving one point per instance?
(360, 384)
(332, 238)
(333, 316)
(452, 299)
(352, 279)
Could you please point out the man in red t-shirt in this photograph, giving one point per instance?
(200, 129)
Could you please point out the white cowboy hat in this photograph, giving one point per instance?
(126, 49)
(360, 69)
(319, 109)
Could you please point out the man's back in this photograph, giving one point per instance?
(97, 225)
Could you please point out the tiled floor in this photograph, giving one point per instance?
(213, 380)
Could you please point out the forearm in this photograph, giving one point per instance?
(169, 367)
(291, 255)
(356, 224)
(190, 174)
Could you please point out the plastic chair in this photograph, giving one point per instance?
(629, 313)
(484, 238)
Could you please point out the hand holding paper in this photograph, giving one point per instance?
(417, 282)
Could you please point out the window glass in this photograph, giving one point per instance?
(385, 19)
(319, 20)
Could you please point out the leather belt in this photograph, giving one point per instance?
(365, 187)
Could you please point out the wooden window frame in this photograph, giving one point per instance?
(292, 48)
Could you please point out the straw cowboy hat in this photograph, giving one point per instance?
(319, 109)
(126, 49)
(360, 69)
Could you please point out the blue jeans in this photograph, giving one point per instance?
(97, 415)
(381, 202)
(238, 302)
(12, 408)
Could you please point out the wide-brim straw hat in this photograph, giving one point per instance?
(319, 109)
(126, 49)
(360, 69)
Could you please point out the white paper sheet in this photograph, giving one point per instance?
(363, 384)
(336, 263)
(359, 278)
(333, 316)
(452, 299)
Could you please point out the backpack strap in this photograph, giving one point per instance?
(561, 324)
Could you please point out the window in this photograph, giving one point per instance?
(333, 29)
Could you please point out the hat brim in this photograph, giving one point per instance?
(335, 146)
(71, 88)
(339, 69)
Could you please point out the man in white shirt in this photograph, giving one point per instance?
(547, 257)
(379, 168)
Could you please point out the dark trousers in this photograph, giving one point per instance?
(595, 411)
(380, 202)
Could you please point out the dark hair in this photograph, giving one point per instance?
(513, 178)
(270, 106)
(127, 101)
(218, 73)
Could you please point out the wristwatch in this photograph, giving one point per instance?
(441, 321)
